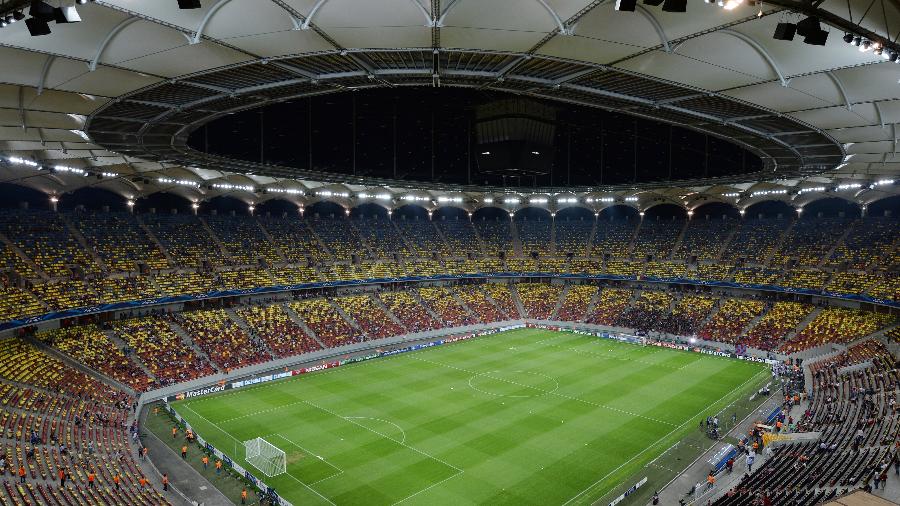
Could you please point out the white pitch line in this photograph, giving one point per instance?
(429, 487)
(310, 489)
(549, 392)
(689, 420)
(349, 420)
(307, 451)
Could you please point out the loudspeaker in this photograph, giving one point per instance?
(816, 38)
(188, 4)
(808, 26)
(37, 27)
(785, 31)
(626, 5)
(675, 6)
(41, 10)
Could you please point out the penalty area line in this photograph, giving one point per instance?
(430, 487)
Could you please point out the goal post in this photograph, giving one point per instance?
(263, 455)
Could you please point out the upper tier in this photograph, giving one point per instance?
(54, 261)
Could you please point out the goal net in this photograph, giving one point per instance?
(265, 456)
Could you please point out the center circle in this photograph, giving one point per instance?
(514, 384)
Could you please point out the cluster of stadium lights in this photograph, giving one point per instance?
(42, 14)
(327, 193)
(228, 186)
(289, 191)
(179, 182)
(865, 45)
(814, 189)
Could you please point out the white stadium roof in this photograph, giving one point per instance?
(108, 102)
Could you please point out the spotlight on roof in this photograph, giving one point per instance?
(848, 38)
(189, 4)
(81, 2)
(3, 23)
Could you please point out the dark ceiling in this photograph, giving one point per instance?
(421, 134)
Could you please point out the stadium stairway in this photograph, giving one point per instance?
(415, 295)
(802, 325)
(302, 324)
(552, 236)
(154, 240)
(79, 237)
(347, 318)
(780, 242)
(591, 306)
(380, 305)
(517, 301)
(443, 237)
(461, 303)
(218, 242)
(678, 240)
(133, 357)
(752, 323)
(559, 302)
(629, 248)
(709, 316)
(186, 339)
(726, 242)
(837, 243)
(265, 233)
(514, 239)
(242, 324)
(25, 258)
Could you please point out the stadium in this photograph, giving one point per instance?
(380, 252)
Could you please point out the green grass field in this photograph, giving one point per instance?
(523, 417)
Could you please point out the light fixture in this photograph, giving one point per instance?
(848, 38)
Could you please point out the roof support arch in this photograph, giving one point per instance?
(560, 24)
(92, 65)
(878, 112)
(750, 41)
(663, 39)
(312, 14)
(840, 86)
(209, 14)
(44, 71)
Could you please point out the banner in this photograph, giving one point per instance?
(628, 492)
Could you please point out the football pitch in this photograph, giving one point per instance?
(523, 417)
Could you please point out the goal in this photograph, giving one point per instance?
(266, 457)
